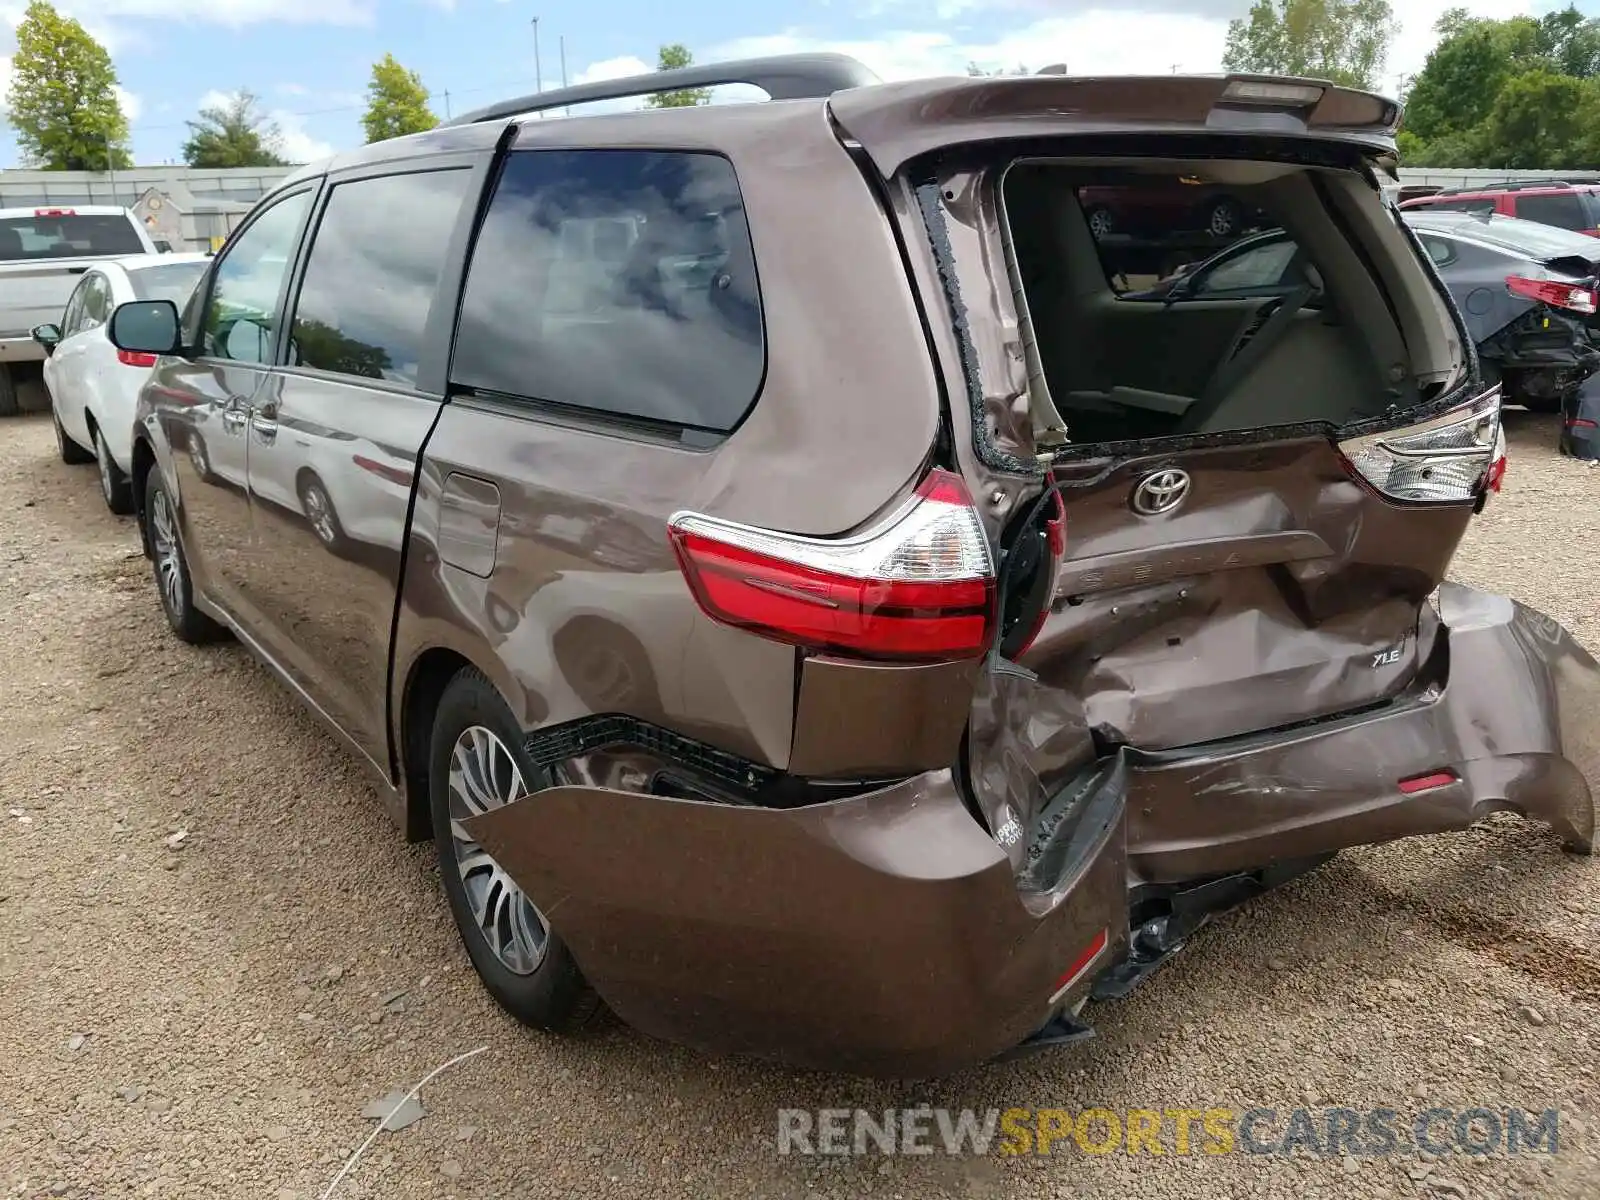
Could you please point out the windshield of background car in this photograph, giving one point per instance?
(23, 238)
(1525, 237)
(170, 281)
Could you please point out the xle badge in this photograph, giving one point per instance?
(1387, 658)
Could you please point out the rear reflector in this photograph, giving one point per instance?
(1426, 783)
(1450, 459)
(917, 586)
(1080, 965)
(131, 358)
(383, 470)
(1554, 293)
(1582, 423)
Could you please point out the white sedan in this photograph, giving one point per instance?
(94, 386)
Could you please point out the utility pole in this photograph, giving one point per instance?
(447, 104)
(538, 72)
(562, 43)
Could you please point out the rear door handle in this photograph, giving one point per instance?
(263, 420)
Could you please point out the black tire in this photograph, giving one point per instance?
(71, 453)
(9, 407)
(553, 995)
(177, 601)
(114, 485)
(317, 508)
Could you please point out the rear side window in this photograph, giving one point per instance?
(616, 281)
(170, 281)
(1562, 209)
(373, 270)
(68, 236)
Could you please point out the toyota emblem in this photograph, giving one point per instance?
(1160, 492)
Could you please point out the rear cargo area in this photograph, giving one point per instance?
(1146, 323)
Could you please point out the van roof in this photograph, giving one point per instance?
(898, 121)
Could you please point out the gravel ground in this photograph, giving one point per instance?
(210, 1020)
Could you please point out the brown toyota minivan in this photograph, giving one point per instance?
(816, 608)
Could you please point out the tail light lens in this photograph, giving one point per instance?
(917, 586)
(1554, 293)
(1455, 457)
(130, 358)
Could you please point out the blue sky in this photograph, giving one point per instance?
(309, 60)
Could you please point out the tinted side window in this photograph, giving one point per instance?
(1563, 209)
(96, 301)
(1439, 250)
(72, 317)
(375, 263)
(242, 311)
(619, 281)
(1259, 267)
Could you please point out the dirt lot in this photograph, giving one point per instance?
(210, 1020)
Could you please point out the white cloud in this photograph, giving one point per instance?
(613, 68)
(297, 145)
(1099, 41)
(1188, 35)
(132, 106)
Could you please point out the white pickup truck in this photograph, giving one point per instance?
(43, 253)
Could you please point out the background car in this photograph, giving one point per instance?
(1566, 204)
(94, 386)
(1527, 292)
(1166, 204)
(43, 253)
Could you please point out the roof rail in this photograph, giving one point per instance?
(782, 77)
(1515, 185)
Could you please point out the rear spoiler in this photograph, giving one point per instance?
(895, 123)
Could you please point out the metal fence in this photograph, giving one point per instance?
(20, 189)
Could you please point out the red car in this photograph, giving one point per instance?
(1168, 204)
(1566, 204)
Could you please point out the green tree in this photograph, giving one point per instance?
(670, 59)
(397, 103)
(1344, 41)
(1540, 120)
(63, 96)
(233, 134)
(1458, 83)
(1570, 42)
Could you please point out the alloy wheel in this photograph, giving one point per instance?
(319, 511)
(484, 776)
(164, 545)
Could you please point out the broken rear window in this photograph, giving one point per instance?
(1172, 300)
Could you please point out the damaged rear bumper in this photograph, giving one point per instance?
(889, 934)
(882, 934)
(1516, 726)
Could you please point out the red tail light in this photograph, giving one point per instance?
(917, 586)
(55, 212)
(1554, 293)
(1582, 423)
(131, 358)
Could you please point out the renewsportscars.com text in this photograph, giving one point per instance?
(1213, 1131)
